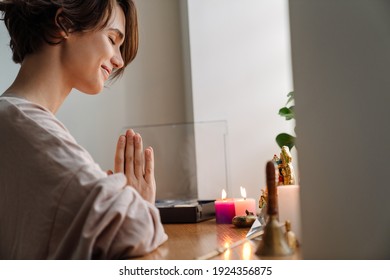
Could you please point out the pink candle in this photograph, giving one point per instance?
(224, 209)
(243, 204)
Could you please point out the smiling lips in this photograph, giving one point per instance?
(106, 70)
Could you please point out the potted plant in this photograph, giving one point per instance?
(285, 139)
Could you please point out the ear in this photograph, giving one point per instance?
(61, 24)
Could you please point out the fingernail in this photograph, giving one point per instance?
(122, 139)
(129, 132)
(149, 153)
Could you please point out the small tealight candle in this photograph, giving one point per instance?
(244, 203)
(224, 209)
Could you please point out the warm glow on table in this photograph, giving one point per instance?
(191, 241)
(246, 251)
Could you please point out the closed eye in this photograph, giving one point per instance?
(111, 40)
(118, 35)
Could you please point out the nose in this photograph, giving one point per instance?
(117, 60)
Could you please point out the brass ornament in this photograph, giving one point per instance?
(285, 167)
(273, 243)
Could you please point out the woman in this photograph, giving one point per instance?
(55, 201)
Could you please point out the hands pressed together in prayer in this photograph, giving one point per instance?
(136, 164)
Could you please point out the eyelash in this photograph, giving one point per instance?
(111, 40)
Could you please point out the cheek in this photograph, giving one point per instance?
(82, 60)
(83, 57)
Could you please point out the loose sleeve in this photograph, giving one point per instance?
(112, 222)
(55, 200)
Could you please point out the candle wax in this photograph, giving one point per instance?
(242, 204)
(289, 207)
(224, 211)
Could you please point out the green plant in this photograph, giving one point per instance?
(285, 139)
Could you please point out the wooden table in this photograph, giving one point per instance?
(192, 241)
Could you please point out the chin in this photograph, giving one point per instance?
(92, 90)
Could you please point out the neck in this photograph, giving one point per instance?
(41, 80)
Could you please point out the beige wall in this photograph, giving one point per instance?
(341, 63)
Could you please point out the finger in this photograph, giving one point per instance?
(129, 153)
(119, 161)
(149, 165)
(138, 157)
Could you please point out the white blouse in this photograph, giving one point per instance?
(56, 202)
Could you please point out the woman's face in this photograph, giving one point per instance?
(89, 58)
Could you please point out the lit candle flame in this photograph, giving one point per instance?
(224, 195)
(243, 192)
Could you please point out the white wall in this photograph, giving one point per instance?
(241, 73)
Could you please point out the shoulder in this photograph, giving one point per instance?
(26, 124)
(22, 113)
(22, 119)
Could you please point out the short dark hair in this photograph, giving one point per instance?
(31, 23)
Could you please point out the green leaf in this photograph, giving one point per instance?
(285, 139)
(288, 113)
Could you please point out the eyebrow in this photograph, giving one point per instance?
(118, 32)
